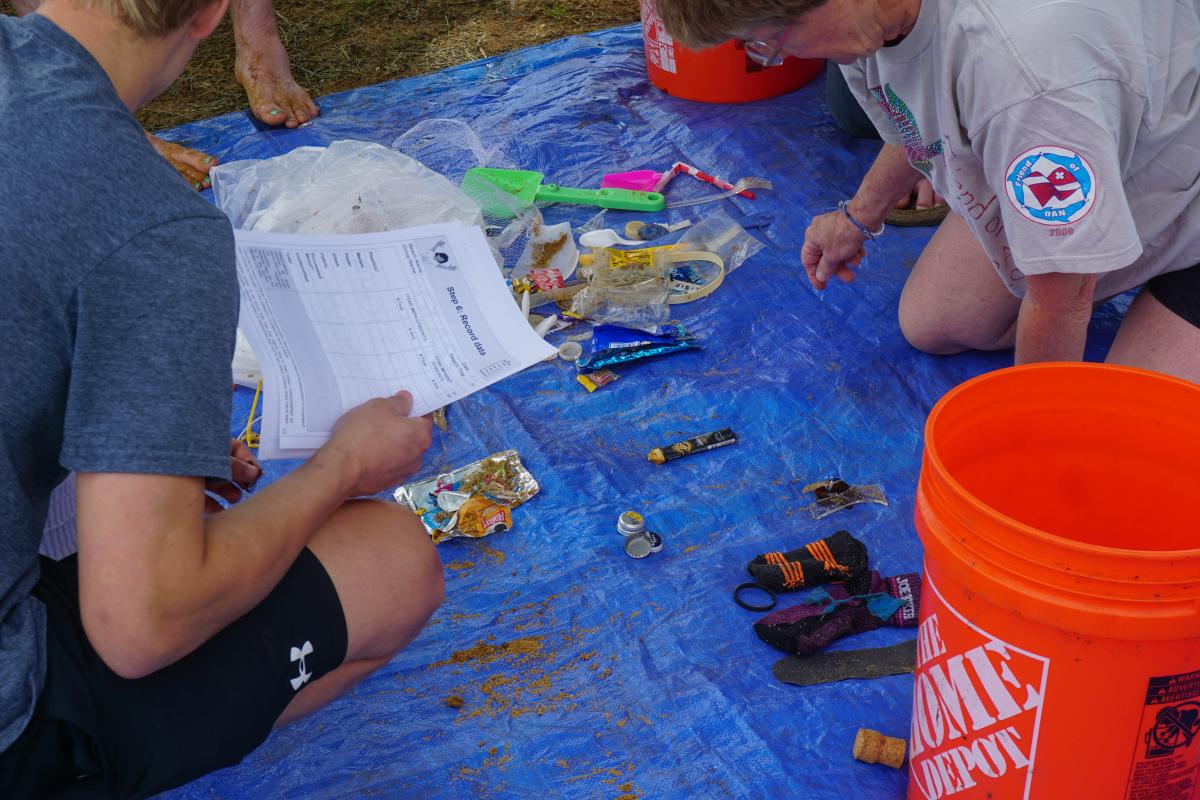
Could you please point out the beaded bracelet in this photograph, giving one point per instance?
(844, 205)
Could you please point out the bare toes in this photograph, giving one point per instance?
(191, 164)
(270, 114)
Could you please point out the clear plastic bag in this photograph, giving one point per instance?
(548, 247)
(718, 233)
(348, 187)
(629, 288)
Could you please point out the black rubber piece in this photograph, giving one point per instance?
(828, 667)
(737, 598)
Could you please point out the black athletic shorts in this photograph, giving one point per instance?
(1179, 291)
(95, 734)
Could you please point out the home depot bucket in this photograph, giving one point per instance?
(721, 74)
(1058, 656)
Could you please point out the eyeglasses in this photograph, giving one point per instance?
(767, 52)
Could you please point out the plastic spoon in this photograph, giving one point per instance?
(606, 237)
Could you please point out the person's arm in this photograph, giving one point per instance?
(157, 578)
(1063, 219)
(1053, 321)
(832, 243)
(889, 181)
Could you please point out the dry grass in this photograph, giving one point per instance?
(342, 44)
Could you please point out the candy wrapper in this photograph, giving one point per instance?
(835, 494)
(606, 338)
(472, 501)
(627, 356)
(612, 344)
(594, 380)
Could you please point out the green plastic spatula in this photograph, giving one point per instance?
(526, 186)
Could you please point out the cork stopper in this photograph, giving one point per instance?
(873, 747)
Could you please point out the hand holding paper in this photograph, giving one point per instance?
(339, 320)
(380, 442)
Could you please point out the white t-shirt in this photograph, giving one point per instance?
(1065, 132)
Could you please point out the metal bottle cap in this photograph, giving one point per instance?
(656, 541)
(630, 522)
(639, 545)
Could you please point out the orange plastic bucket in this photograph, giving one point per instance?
(721, 74)
(1058, 655)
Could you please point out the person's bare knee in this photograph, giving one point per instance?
(412, 574)
(921, 330)
(925, 330)
(387, 573)
(420, 556)
(954, 300)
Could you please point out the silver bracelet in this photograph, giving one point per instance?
(844, 205)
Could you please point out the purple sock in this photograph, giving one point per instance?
(832, 612)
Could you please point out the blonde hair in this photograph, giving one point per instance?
(702, 23)
(149, 17)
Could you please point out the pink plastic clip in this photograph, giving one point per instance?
(642, 180)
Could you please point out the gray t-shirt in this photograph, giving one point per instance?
(118, 305)
(1065, 132)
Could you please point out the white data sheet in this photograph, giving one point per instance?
(337, 320)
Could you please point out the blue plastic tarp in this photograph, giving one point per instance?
(585, 673)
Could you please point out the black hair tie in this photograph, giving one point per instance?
(748, 606)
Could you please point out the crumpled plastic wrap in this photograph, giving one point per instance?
(629, 288)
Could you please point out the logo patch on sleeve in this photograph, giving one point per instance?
(1051, 185)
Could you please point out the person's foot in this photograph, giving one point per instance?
(275, 98)
(191, 164)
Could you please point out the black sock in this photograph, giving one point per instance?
(838, 558)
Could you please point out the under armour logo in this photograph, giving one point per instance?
(298, 654)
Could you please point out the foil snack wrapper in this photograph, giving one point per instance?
(838, 494)
(613, 344)
(471, 501)
(626, 356)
